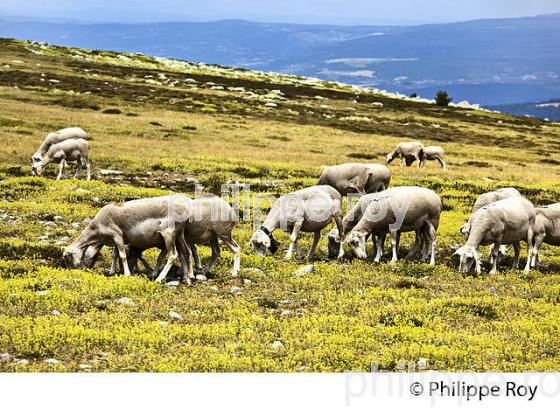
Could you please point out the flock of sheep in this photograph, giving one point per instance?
(176, 224)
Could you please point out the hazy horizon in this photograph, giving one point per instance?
(352, 12)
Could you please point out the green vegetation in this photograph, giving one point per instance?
(442, 99)
(177, 127)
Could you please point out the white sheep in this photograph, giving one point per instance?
(144, 223)
(408, 152)
(213, 219)
(308, 210)
(356, 178)
(487, 199)
(63, 152)
(351, 220)
(434, 153)
(546, 229)
(401, 209)
(507, 221)
(56, 137)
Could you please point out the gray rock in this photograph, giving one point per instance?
(277, 345)
(175, 316)
(6, 357)
(236, 291)
(126, 301)
(52, 361)
(55, 313)
(107, 172)
(305, 270)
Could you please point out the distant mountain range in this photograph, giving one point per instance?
(548, 109)
(491, 62)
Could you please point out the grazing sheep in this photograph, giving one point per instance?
(401, 209)
(352, 219)
(356, 178)
(434, 154)
(408, 152)
(308, 210)
(56, 137)
(507, 221)
(213, 219)
(68, 150)
(487, 199)
(546, 229)
(144, 223)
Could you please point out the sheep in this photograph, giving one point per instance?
(408, 152)
(401, 209)
(434, 154)
(352, 219)
(507, 221)
(68, 150)
(308, 210)
(213, 219)
(356, 178)
(144, 223)
(546, 229)
(484, 200)
(56, 137)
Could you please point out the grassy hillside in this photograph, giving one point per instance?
(164, 124)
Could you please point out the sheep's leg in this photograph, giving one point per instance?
(114, 262)
(395, 245)
(316, 238)
(172, 254)
(403, 161)
(495, 251)
(196, 256)
(432, 243)
(234, 247)
(215, 245)
(298, 249)
(185, 254)
(119, 243)
(78, 167)
(144, 263)
(338, 216)
(61, 169)
(442, 163)
(65, 174)
(88, 169)
(516, 255)
(537, 243)
(159, 261)
(293, 239)
(417, 158)
(380, 241)
(416, 247)
(530, 245)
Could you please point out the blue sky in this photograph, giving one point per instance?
(297, 11)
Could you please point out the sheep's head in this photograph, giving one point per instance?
(390, 158)
(73, 256)
(334, 243)
(465, 230)
(468, 256)
(35, 160)
(357, 243)
(262, 241)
